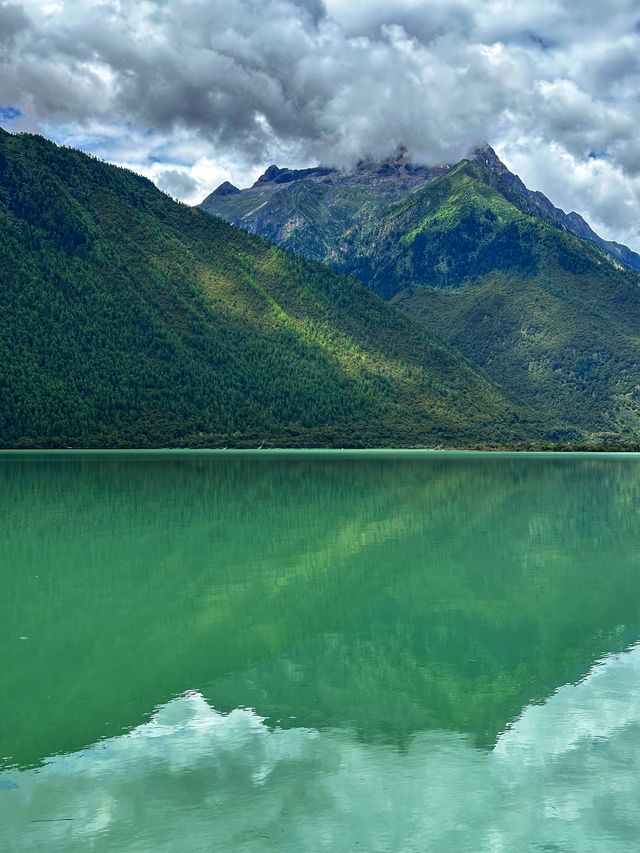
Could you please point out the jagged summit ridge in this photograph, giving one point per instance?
(398, 165)
(390, 180)
(397, 168)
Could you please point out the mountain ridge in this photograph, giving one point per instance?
(534, 201)
(393, 178)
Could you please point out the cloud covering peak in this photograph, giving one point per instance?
(211, 90)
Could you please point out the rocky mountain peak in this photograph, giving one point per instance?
(270, 174)
(226, 188)
(275, 175)
(485, 154)
(390, 180)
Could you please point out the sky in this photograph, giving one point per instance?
(195, 92)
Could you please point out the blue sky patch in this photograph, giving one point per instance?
(9, 113)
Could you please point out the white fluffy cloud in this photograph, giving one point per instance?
(193, 90)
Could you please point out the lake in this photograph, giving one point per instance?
(319, 651)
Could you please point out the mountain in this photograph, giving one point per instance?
(131, 320)
(312, 211)
(543, 311)
(491, 267)
(316, 211)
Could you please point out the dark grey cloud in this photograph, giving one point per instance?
(251, 82)
(12, 20)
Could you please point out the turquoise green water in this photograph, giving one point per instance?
(266, 651)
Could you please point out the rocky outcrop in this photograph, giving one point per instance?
(225, 188)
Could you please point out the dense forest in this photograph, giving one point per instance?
(130, 320)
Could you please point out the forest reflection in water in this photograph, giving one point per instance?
(391, 593)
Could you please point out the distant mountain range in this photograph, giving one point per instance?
(330, 202)
(129, 320)
(529, 294)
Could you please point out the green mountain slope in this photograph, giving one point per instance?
(324, 213)
(546, 313)
(448, 233)
(486, 166)
(130, 320)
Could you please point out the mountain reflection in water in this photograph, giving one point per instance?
(388, 616)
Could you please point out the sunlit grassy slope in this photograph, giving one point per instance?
(130, 320)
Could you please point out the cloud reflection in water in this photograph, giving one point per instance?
(565, 776)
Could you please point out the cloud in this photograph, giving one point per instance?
(593, 184)
(12, 20)
(302, 82)
(177, 183)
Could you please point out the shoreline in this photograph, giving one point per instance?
(609, 449)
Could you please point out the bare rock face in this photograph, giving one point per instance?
(286, 176)
(487, 156)
(309, 210)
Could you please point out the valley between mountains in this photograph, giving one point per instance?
(405, 306)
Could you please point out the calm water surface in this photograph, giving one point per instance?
(382, 652)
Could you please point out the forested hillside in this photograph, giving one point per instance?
(130, 320)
